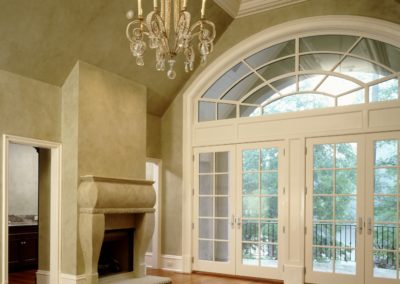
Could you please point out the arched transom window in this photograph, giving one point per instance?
(302, 74)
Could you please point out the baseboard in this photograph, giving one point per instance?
(168, 262)
(172, 262)
(149, 259)
(43, 277)
(72, 279)
(293, 274)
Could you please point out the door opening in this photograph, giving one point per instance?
(30, 209)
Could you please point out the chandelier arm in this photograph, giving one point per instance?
(156, 28)
(182, 33)
(131, 26)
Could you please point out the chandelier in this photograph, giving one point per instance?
(157, 28)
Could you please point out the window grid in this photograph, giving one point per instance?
(334, 72)
(211, 246)
(259, 228)
(334, 239)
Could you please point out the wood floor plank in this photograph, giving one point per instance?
(200, 278)
(28, 277)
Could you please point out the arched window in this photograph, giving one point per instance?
(302, 74)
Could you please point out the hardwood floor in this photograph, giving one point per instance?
(22, 277)
(201, 278)
(28, 277)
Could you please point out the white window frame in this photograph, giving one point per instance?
(346, 25)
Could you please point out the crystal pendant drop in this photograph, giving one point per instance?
(139, 61)
(203, 59)
(171, 72)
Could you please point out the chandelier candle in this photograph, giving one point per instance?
(140, 10)
(156, 26)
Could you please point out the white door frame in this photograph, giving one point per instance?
(156, 241)
(55, 188)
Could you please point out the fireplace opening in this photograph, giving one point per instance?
(116, 255)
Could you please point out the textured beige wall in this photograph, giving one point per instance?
(104, 134)
(238, 31)
(153, 149)
(28, 108)
(171, 137)
(112, 125)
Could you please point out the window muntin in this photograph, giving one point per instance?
(335, 70)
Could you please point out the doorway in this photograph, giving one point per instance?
(24, 247)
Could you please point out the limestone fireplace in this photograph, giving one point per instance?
(109, 204)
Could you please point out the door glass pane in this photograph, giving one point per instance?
(214, 208)
(260, 207)
(335, 208)
(221, 251)
(206, 250)
(386, 209)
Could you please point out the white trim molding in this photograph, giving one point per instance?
(347, 25)
(168, 262)
(172, 262)
(242, 8)
(72, 279)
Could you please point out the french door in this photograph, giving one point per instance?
(237, 201)
(352, 209)
(214, 222)
(383, 207)
(334, 210)
(259, 204)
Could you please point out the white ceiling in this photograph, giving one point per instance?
(241, 8)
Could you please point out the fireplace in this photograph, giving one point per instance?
(116, 254)
(119, 210)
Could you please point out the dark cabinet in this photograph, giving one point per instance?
(22, 247)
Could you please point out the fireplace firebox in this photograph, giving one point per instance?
(116, 254)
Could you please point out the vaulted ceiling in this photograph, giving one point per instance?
(44, 39)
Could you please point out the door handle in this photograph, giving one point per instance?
(360, 225)
(233, 221)
(239, 222)
(369, 226)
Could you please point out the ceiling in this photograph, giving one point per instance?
(44, 39)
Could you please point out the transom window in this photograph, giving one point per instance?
(303, 74)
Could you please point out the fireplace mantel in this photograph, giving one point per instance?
(108, 202)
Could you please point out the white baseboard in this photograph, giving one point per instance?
(294, 274)
(168, 262)
(172, 262)
(72, 279)
(149, 259)
(43, 277)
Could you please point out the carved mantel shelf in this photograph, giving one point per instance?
(104, 195)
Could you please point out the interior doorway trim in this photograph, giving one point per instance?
(56, 150)
(364, 26)
(156, 242)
